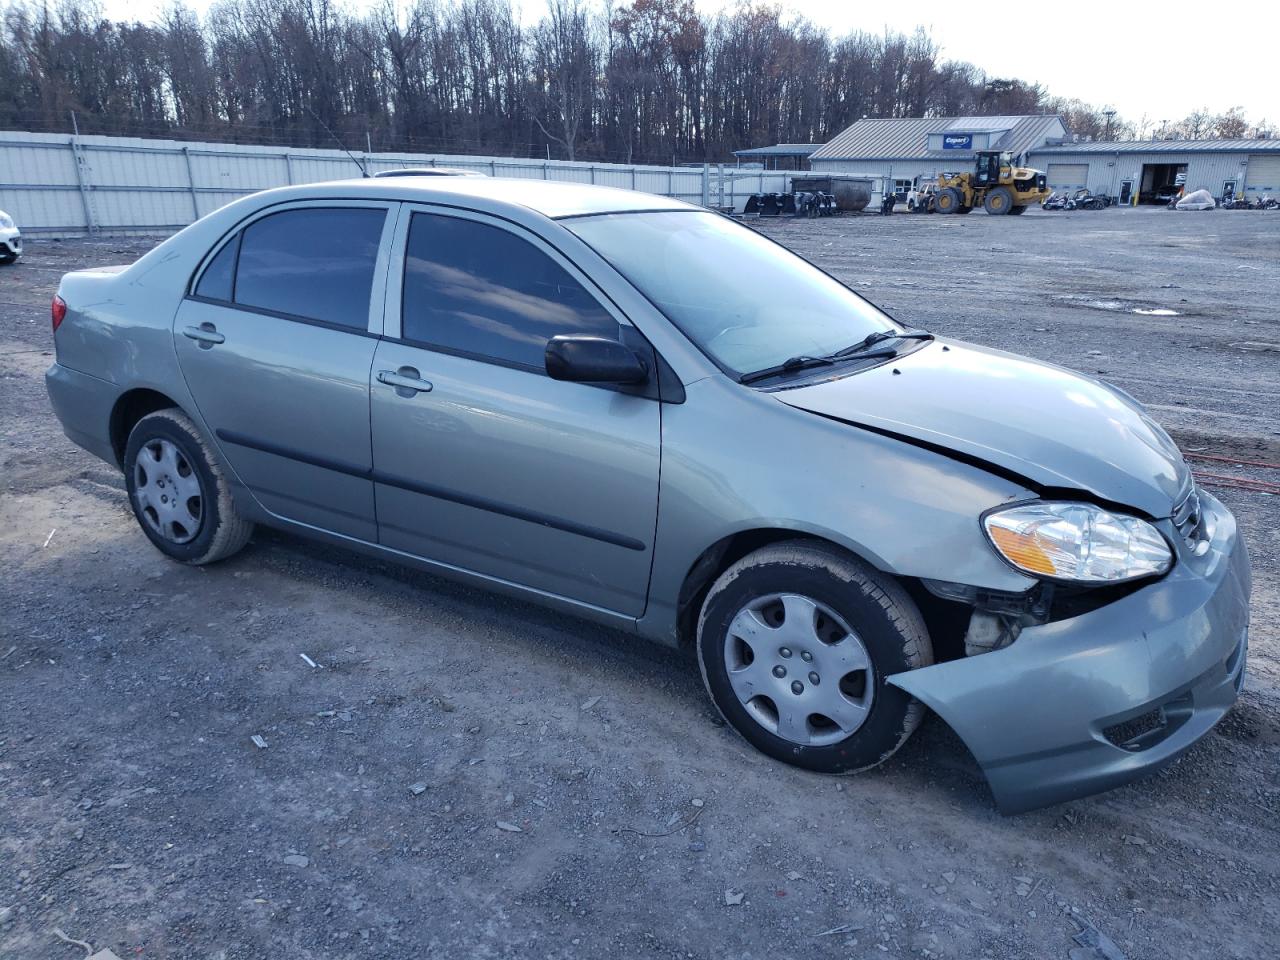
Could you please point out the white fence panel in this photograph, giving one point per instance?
(60, 185)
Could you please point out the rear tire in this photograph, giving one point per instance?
(179, 494)
(1017, 211)
(796, 642)
(998, 202)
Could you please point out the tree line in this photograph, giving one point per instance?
(638, 81)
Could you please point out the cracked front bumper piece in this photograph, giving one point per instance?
(1088, 703)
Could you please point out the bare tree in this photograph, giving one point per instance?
(563, 87)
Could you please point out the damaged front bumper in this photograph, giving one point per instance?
(1084, 704)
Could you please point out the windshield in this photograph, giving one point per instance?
(746, 302)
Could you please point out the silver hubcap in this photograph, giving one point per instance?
(799, 669)
(168, 491)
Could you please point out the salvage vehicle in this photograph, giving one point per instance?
(10, 239)
(566, 393)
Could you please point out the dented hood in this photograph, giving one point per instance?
(1048, 425)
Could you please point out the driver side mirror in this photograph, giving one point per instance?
(593, 360)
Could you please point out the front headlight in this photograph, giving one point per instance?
(6, 222)
(1078, 542)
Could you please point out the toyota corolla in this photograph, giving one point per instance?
(642, 412)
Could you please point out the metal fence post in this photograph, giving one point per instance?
(78, 161)
(671, 182)
(593, 173)
(633, 177)
(191, 185)
(288, 165)
(545, 176)
(706, 184)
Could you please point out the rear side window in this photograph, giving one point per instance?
(317, 264)
(482, 291)
(217, 281)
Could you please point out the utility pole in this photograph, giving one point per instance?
(1109, 113)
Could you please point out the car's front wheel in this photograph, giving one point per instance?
(796, 642)
(178, 491)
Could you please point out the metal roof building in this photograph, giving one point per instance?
(780, 153)
(1151, 171)
(938, 138)
(904, 148)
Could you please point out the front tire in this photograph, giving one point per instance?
(796, 642)
(178, 491)
(949, 201)
(998, 201)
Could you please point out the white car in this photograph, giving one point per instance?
(10, 239)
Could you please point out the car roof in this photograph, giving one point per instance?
(549, 198)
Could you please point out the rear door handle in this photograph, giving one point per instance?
(206, 335)
(407, 381)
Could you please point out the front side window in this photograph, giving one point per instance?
(312, 263)
(746, 302)
(482, 291)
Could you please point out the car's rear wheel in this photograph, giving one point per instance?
(796, 642)
(178, 491)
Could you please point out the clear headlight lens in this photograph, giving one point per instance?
(6, 222)
(1077, 541)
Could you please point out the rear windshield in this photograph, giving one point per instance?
(747, 302)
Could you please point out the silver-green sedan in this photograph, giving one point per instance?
(644, 413)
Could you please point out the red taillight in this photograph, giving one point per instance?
(59, 312)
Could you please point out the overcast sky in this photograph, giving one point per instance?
(1162, 60)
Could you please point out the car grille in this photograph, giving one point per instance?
(1188, 517)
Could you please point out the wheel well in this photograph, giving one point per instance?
(129, 409)
(945, 621)
(715, 560)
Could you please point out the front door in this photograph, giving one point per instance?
(1126, 192)
(483, 462)
(275, 342)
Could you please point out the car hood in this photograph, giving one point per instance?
(1046, 424)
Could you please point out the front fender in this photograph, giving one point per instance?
(906, 510)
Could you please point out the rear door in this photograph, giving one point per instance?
(482, 461)
(276, 340)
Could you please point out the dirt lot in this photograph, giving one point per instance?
(136, 813)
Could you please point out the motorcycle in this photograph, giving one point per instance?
(1054, 201)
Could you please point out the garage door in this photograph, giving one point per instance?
(1263, 175)
(1068, 176)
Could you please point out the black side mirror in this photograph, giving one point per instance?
(594, 360)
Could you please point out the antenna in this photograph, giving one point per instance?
(363, 172)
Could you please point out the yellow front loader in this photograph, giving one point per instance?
(995, 184)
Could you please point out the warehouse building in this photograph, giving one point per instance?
(1151, 171)
(902, 149)
(1140, 171)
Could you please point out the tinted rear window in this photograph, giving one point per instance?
(484, 292)
(312, 263)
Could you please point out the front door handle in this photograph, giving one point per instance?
(407, 381)
(206, 335)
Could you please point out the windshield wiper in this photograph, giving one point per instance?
(879, 336)
(786, 366)
(858, 351)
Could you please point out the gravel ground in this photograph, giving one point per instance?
(464, 775)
